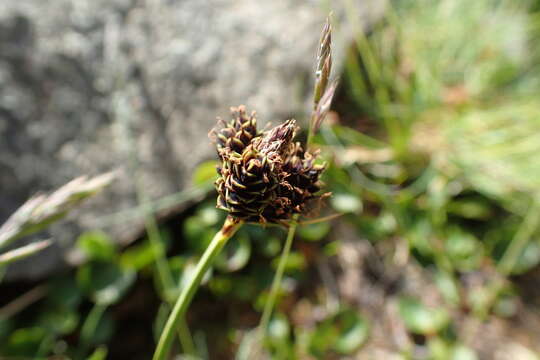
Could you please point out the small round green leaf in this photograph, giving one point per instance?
(346, 203)
(461, 352)
(354, 331)
(96, 245)
(197, 234)
(528, 259)
(64, 292)
(420, 319)
(447, 286)
(106, 283)
(138, 257)
(314, 232)
(235, 255)
(342, 333)
(278, 329)
(24, 342)
(99, 354)
(59, 321)
(463, 249)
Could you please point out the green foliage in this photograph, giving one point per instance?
(104, 282)
(448, 287)
(97, 328)
(58, 320)
(341, 333)
(420, 319)
(464, 251)
(346, 203)
(96, 245)
(235, 255)
(24, 341)
(64, 291)
(99, 354)
(443, 350)
(314, 232)
(138, 257)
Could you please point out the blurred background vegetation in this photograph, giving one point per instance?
(432, 148)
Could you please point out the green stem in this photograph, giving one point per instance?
(186, 340)
(91, 323)
(230, 226)
(268, 307)
(166, 280)
(511, 257)
(158, 247)
(521, 239)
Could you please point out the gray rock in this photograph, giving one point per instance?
(88, 86)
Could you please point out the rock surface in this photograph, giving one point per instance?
(89, 86)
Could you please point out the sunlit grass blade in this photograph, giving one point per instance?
(23, 252)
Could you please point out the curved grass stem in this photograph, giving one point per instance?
(185, 338)
(230, 226)
(271, 301)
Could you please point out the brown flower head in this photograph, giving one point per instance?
(264, 177)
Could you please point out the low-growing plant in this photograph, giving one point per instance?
(264, 178)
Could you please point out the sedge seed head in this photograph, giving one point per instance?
(264, 177)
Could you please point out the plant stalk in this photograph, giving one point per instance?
(230, 226)
(270, 302)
